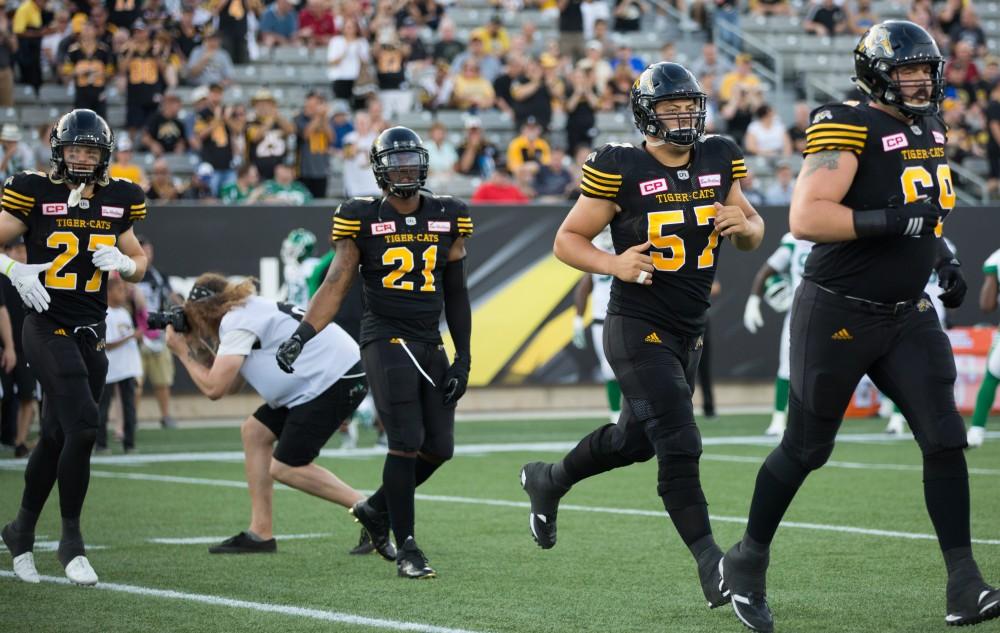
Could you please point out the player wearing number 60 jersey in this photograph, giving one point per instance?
(410, 247)
(668, 202)
(873, 190)
(77, 226)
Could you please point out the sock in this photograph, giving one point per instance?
(946, 493)
(591, 456)
(71, 542)
(984, 401)
(422, 472)
(781, 394)
(256, 538)
(961, 566)
(74, 471)
(614, 396)
(771, 498)
(399, 483)
(704, 548)
(26, 521)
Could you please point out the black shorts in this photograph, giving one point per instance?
(303, 430)
(412, 410)
(836, 340)
(656, 371)
(71, 366)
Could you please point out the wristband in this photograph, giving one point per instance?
(304, 332)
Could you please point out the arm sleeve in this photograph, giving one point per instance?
(836, 127)
(346, 223)
(15, 199)
(992, 263)
(601, 178)
(236, 343)
(457, 310)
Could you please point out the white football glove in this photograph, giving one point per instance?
(109, 258)
(752, 318)
(25, 279)
(579, 333)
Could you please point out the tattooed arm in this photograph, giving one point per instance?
(816, 213)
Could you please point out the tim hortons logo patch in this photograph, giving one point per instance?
(383, 228)
(55, 208)
(710, 180)
(938, 137)
(112, 212)
(653, 186)
(894, 141)
(437, 226)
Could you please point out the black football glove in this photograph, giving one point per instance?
(456, 379)
(290, 349)
(952, 282)
(915, 218)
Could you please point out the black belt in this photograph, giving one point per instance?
(876, 307)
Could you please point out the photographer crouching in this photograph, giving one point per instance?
(224, 331)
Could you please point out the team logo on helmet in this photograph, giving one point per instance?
(877, 38)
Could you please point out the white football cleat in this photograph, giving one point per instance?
(896, 424)
(777, 427)
(80, 572)
(24, 568)
(976, 436)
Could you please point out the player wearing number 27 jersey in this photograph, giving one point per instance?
(669, 203)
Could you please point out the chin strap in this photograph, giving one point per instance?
(76, 195)
(657, 143)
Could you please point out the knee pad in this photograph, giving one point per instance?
(679, 483)
(683, 440)
(808, 458)
(786, 468)
(946, 464)
(441, 446)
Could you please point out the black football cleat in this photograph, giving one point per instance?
(377, 526)
(536, 479)
(364, 545)
(745, 575)
(411, 562)
(972, 604)
(243, 544)
(710, 575)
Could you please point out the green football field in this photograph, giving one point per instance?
(856, 553)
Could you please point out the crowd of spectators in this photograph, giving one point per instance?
(387, 57)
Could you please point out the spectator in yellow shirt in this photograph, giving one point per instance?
(742, 75)
(28, 27)
(472, 91)
(123, 167)
(528, 147)
(494, 36)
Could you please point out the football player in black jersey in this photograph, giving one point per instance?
(669, 202)
(872, 192)
(77, 224)
(410, 247)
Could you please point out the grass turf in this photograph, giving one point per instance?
(616, 572)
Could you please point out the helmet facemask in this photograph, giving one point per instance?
(680, 128)
(66, 171)
(402, 171)
(893, 93)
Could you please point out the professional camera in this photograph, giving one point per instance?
(173, 316)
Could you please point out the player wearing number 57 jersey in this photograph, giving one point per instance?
(668, 202)
(410, 247)
(872, 193)
(77, 226)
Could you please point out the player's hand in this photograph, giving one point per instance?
(730, 221)
(952, 282)
(9, 360)
(630, 265)
(288, 352)
(579, 333)
(912, 219)
(24, 277)
(109, 258)
(752, 317)
(456, 379)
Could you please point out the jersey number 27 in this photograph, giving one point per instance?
(55, 278)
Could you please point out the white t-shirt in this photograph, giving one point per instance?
(353, 53)
(770, 139)
(791, 258)
(259, 326)
(592, 12)
(358, 177)
(123, 361)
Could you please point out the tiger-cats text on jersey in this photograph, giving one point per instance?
(673, 208)
(403, 257)
(68, 236)
(897, 163)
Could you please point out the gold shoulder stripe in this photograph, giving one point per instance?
(836, 126)
(8, 208)
(837, 133)
(739, 161)
(831, 148)
(16, 202)
(337, 218)
(601, 174)
(141, 205)
(601, 194)
(10, 192)
(590, 183)
(835, 141)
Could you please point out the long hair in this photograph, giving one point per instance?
(204, 315)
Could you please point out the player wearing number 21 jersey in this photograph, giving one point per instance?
(669, 202)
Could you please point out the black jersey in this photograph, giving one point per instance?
(897, 163)
(68, 236)
(672, 207)
(90, 72)
(402, 262)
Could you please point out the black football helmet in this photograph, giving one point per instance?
(400, 162)
(660, 82)
(890, 45)
(81, 127)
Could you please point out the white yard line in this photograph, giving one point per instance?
(205, 540)
(262, 607)
(917, 468)
(845, 529)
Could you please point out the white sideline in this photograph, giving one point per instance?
(205, 540)
(264, 607)
(845, 529)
